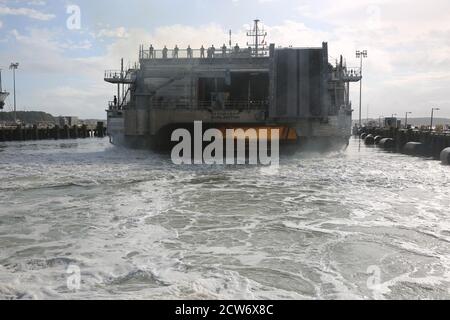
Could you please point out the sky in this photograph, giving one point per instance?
(63, 47)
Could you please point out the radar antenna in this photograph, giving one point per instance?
(257, 34)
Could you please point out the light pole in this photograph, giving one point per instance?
(432, 116)
(361, 55)
(406, 119)
(14, 67)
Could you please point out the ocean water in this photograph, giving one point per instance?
(86, 220)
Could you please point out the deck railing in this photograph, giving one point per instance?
(351, 74)
(119, 76)
(197, 54)
(209, 105)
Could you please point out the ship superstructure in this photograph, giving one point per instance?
(3, 94)
(294, 89)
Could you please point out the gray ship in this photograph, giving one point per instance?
(296, 90)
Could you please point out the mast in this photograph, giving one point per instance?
(257, 33)
(1, 90)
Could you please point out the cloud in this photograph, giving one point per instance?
(89, 102)
(27, 12)
(37, 3)
(120, 32)
(42, 51)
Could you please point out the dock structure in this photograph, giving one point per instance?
(412, 142)
(21, 133)
(256, 86)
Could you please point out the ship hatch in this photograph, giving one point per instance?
(240, 90)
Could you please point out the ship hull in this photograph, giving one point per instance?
(305, 144)
(331, 135)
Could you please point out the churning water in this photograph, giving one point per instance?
(358, 224)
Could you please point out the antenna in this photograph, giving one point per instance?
(256, 34)
(1, 90)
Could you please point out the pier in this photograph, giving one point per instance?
(23, 133)
(411, 142)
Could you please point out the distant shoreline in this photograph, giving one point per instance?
(42, 118)
(417, 122)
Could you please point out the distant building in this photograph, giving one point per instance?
(392, 123)
(372, 124)
(68, 121)
(90, 123)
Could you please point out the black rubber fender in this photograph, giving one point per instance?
(445, 156)
(414, 148)
(387, 143)
(369, 140)
(378, 139)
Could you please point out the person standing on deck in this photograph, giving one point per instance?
(164, 52)
(236, 48)
(151, 52)
(202, 52)
(224, 50)
(175, 52)
(213, 51)
(189, 52)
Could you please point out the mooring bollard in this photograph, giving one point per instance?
(445, 156)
